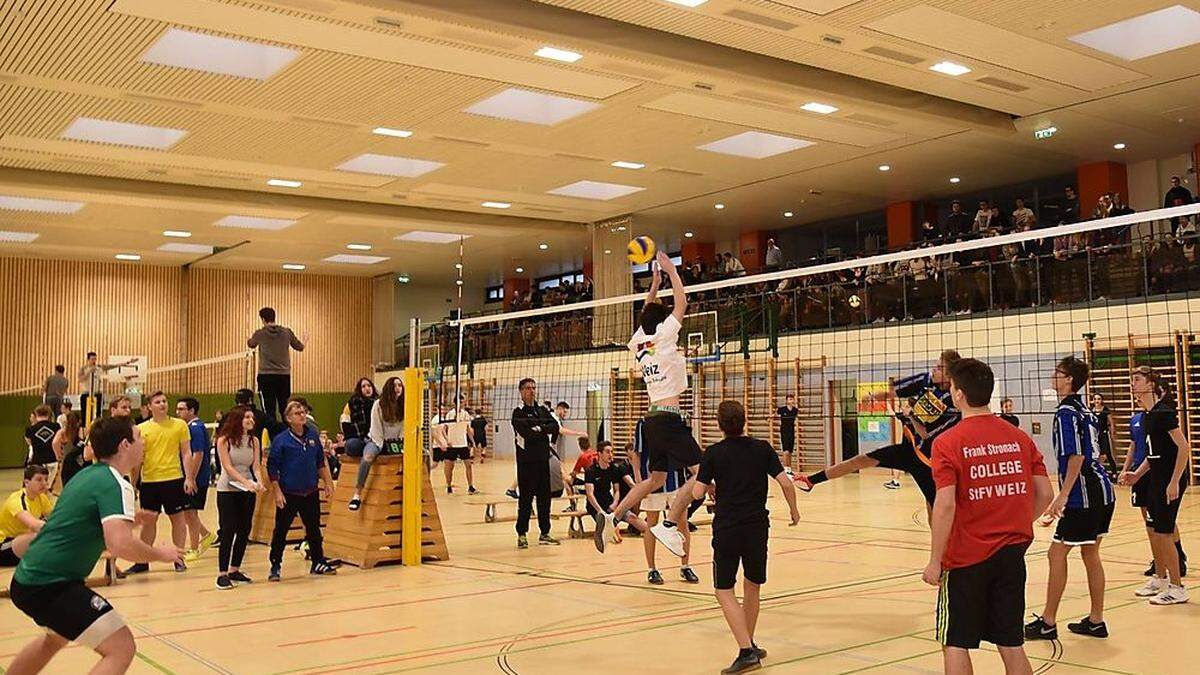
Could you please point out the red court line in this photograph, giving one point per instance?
(346, 637)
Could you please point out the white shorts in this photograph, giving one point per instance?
(658, 501)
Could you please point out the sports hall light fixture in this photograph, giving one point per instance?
(531, 107)
(293, 266)
(35, 205)
(388, 131)
(689, 235)
(424, 237)
(389, 165)
(176, 247)
(359, 247)
(622, 164)
(458, 282)
(688, 3)
(755, 145)
(351, 259)
(543, 246)
(403, 278)
(1118, 146)
(788, 214)
(718, 206)
(520, 270)
(458, 266)
(1136, 38)
(950, 68)
(178, 234)
(17, 237)
(885, 167)
(282, 182)
(255, 222)
(218, 55)
(496, 205)
(955, 179)
(819, 108)
(556, 54)
(608, 251)
(122, 133)
(592, 189)
(131, 257)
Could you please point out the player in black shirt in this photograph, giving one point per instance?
(39, 436)
(479, 427)
(787, 429)
(533, 427)
(601, 480)
(739, 466)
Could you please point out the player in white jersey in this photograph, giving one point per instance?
(450, 429)
(666, 437)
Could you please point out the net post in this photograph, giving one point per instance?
(414, 465)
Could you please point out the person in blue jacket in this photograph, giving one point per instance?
(295, 463)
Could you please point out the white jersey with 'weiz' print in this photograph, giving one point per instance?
(663, 367)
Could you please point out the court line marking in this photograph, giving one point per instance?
(349, 636)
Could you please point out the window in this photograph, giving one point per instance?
(548, 283)
(495, 293)
(676, 258)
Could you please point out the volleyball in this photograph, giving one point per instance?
(855, 301)
(641, 250)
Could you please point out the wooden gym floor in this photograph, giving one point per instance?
(844, 595)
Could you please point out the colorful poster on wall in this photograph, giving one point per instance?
(874, 417)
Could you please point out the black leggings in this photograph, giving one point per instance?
(309, 508)
(533, 483)
(235, 514)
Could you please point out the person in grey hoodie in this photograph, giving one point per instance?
(274, 343)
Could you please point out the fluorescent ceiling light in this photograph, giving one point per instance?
(496, 205)
(1146, 35)
(132, 257)
(689, 235)
(18, 237)
(350, 259)
(12, 203)
(607, 251)
(820, 108)
(885, 167)
(186, 248)
(389, 165)
(403, 278)
(1118, 146)
(395, 133)
(281, 182)
(178, 234)
(543, 246)
(520, 270)
(458, 282)
(688, 3)
(755, 144)
(590, 189)
(955, 179)
(122, 133)
(431, 237)
(255, 222)
(293, 266)
(458, 266)
(359, 247)
(520, 105)
(788, 214)
(950, 68)
(564, 55)
(621, 164)
(718, 206)
(222, 56)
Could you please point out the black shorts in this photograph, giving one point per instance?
(1083, 526)
(788, 441)
(985, 601)
(1139, 494)
(746, 545)
(451, 454)
(166, 496)
(1161, 515)
(198, 501)
(8, 558)
(903, 457)
(70, 609)
(667, 440)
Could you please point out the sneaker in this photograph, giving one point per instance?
(744, 663)
(512, 493)
(471, 490)
(224, 583)
(1085, 627)
(191, 556)
(604, 523)
(803, 483)
(1152, 587)
(654, 577)
(239, 578)
(274, 575)
(669, 536)
(180, 567)
(522, 541)
(1038, 629)
(892, 484)
(1149, 570)
(136, 568)
(547, 540)
(449, 489)
(688, 575)
(355, 503)
(1171, 595)
(762, 653)
(322, 568)
(206, 542)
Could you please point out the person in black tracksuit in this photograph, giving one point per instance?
(533, 427)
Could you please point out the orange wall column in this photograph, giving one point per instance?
(1096, 179)
(752, 249)
(512, 287)
(703, 251)
(901, 224)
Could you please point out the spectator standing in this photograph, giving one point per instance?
(929, 232)
(1069, 213)
(958, 222)
(295, 464)
(1023, 217)
(274, 343)
(1006, 412)
(39, 436)
(66, 410)
(89, 380)
(774, 257)
(168, 476)
(1177, 195)
(533, 427)
(733, 266)
(68, 444)
(983, 217)
(55, 389)
(237, 490)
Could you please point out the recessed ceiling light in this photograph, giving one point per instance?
(122, 133)
(403, 278)
(591, 189)
(1146, 35)
(18, 237)
(621, 164)
(11, 203)
(885, 167)
(519, 105)
(755, 145)
(520, 270)
(424, 237)
(564, 55)
(950, 68)
(787, 214)
(293, 266)
(689, 235)
(621, 228)
(543, 246)
(131, 257)
(820, 108)
(608, 251)
(458, 282)
(281, 182)
(458, 266)
(718, 206)
(688, 3)
(955, 179)
(359, 247)
(179, 234)
(1118, 146)
(351, 259)
(389, 165)
(203, 249)
(219, 55)
(255, 222)
(496, 205)
(395, 133)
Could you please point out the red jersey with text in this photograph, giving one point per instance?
(991, 463)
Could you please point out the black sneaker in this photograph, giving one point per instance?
(654, 577)
(522, 541)
(692, 526)
(744, 663)
(547, 540)
(180, 567)
(512, 493)
(239, 578)
(322, 568)
(136, 568)
(762, 653)
(1038, 629)
(224, 583)
(354, 504)
(1149, 570)
(688, 575)
(1086, 627)
(449, 489)
(471, 490)
(274, 575)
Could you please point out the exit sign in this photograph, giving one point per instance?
(1045, 133)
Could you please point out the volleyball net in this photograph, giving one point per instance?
(1118, 292)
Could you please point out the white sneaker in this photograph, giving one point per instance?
(603, 526)
(892, 484)
(1151, 588)
(670, 537)
(1173, 595)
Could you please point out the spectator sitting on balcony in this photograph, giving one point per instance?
(1178, 195)
(733, 266)
(1023, 217)
(997, 220)
(1103, 207)
(983, 217)
(1119, 208)
(929, 232)
(958, 222)
(774, 257)
(1069, 211)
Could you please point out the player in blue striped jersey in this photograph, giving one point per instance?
(656, 503)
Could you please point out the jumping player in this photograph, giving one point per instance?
(666, 437)
(933, 412)
(655, 504)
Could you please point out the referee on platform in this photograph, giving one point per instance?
(533, 427)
